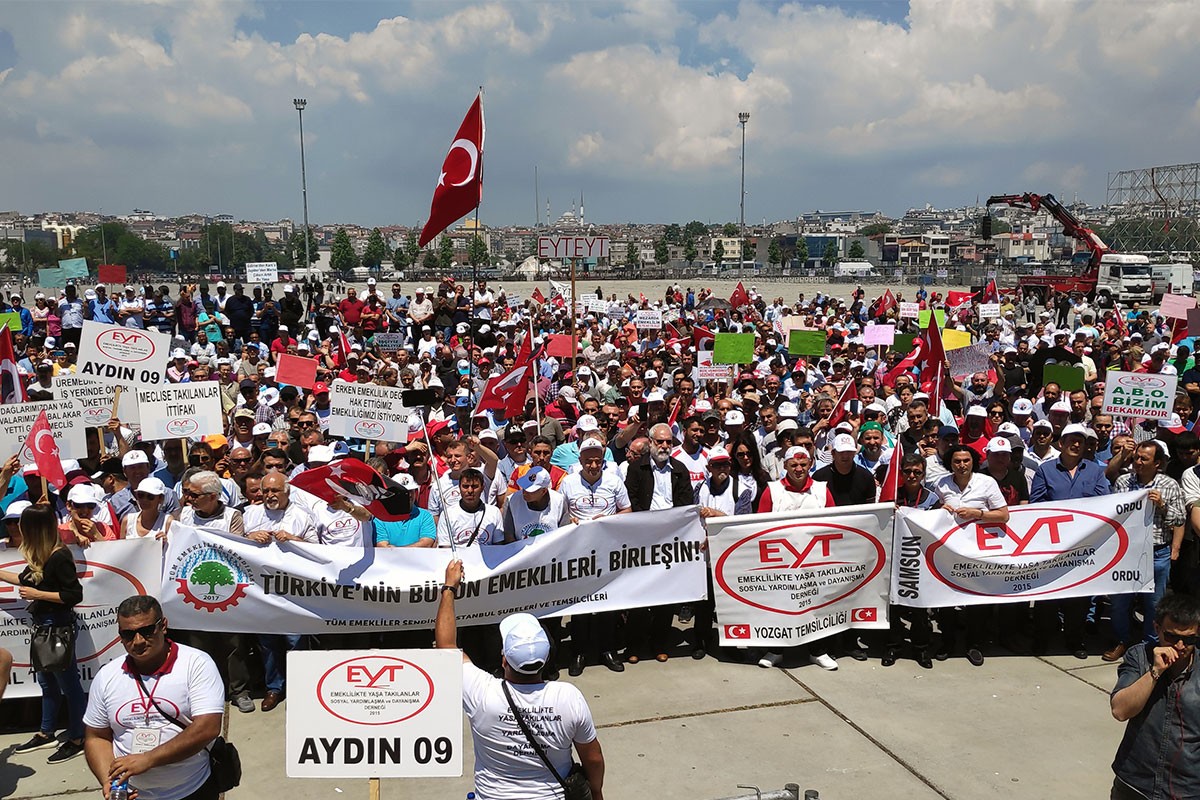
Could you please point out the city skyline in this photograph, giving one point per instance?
(854, 105)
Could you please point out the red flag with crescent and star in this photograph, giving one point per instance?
(740, 296)
(510, 390)
(538, 296)
(352, 480)
(890, 489)
(43, 452)
(12, 388)
(460, 182)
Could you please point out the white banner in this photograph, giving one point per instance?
(66, 423)
(262, 272)
(109, 572)
(368, 411)
(648, 320)
(910, 310)
(1077, 548)
(226, 583)
(95, 399)
(1140, 395)
(786, 578)
(122, 356)
(708, 371)
(388, 341)
(181, 410)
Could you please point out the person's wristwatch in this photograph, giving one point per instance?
(446, 586)
(1155, 674)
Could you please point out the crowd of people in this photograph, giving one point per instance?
(631, 420)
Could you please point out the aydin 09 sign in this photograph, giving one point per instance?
(121, 356)
(791, 577)
(1140, 395)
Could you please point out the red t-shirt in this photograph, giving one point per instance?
(351, 310)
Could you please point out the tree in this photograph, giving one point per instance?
(719, 253)
(748, 250)
(632, 259)
(342, 257)
(122, 246)
(375, 251)
(690, 254)
(445, 252)
(510, 255)
(730, 230)
(830, 256)
(801, 253)
(400, 258)
(212, 574)
(774, 253)
(661, 252)
(695, 229)
(296, 246)
(673, 233)
(856, 249)
(477, 251)
(412, 248)
(874, 229)
(431, 260)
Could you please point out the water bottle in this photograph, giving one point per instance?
(470, 796)
(118, 790)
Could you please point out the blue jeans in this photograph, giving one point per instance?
(56, 686)
(274, 648)
(1122, 604)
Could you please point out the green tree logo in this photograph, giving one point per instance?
(212, 574)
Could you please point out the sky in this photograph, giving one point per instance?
(181, 107)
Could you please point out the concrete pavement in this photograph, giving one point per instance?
(1015, 727)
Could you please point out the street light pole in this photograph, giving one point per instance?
(743, 118)
(300, 103)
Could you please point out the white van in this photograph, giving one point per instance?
(1171, 279)
(854, 269)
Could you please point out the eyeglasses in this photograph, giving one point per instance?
(146, 631)
(145, 495)
(306, 424)
(241, 460)
(191, 493)
(914, 471)
(1172, 638)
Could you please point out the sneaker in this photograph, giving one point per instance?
(244, 703)
(66, 751)
(824, 661)
(40, 741)
(770, 660)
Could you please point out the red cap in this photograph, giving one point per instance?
(320, 387)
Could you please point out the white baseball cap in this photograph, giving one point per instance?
(152, 485)
(1074, 429)
(734, 417)
(998, 444)
(320, 454)
(976, 411)
(586, 423)
(794, 451)
(1062, 406)
(525, 645)
(134, 457)
(533, 480)
(405, 481)
(844, 443)
(1022, 406)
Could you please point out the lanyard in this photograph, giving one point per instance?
(149, 696)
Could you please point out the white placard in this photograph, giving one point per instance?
(368, 411)
(388, 341)
(514, 300)
(910, 310)
(181, 410)
(374, 714)
(572, 247)
(262, 272)
(648, 320)
(583, 298)
(989, 310)
(121, 356)
(66, 423)
(595, 306)
(943, 273)
(95, 398)
(1139, 395)
(708, 371)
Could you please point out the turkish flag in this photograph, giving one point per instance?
(672, 330)
(864, 615)
(510, 390)
(700, 334)
(933, 372)
(737, 631)
(538, 296)
(739, 297)
(460, 183)
(343, 348)
(12, 389)
(43, 451)
(956, 299)
(849, 392)
(890, 489)
(888, 301)
(360, 484)
(990, 293)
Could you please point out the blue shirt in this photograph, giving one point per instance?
(105, 312)
(405, 532)
(1052, 481)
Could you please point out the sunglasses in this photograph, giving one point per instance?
(146, 631)
(1172, 638)
(145, 495)
(242, 460)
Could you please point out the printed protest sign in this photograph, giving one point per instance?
(1067, 376)
(989, 311)
(953, 339)
(733, 348)
(706, 370)
(388, 341)
(514, 300)
(1140, 395)
(1176, 306)
(368, 411)
(262, 272)
(95, 399)
(910, 310)
(296, 371)
(123, 356)
(967, 361)
(879, 334)
(786, 578)
(601, 307)
(181, 410)
(647, 320)
(52, 278)
(377, 714)
(66, 423)
(74, 267)
(109, 572)
(111, 273)
(806, 343)
(1075, 548)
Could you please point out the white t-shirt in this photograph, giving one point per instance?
(526, 522)
(697, 465)
(449, 487)
(189, 686)
(461, 526)
(506, 766)
(982, 492)
(333, 526)
(294, 519)
(589, 501)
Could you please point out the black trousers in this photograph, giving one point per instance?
(919, 631)
(1074, 612)
(647, 629)
(593, 634)
(207, 790)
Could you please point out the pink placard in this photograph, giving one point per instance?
(879, 334)
(1176, 306)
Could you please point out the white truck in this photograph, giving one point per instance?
(1172, 279)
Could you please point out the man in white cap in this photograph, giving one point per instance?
(535, 509)
(506, 712)
(420, 311)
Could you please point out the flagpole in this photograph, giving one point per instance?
(537, 406)
(474, 265)
(433, 470)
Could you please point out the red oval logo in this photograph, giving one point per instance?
(1032, 537)
(1142, 381)
(368, 428)
(126, 345)
(790, 574)
(375, 690)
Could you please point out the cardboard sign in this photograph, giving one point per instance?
(262, 272)
(989, 311)
(903, 342)
(910, 310)
(952, 339)
(368, 411)
(514, 301)
(74, 267)
(1175, 306)
(388, 341)
(111, 273)
(806, 343)
(181, 410)
(53, 278)
(598, 307)
(12, 319)
(1068, 376)
(96, 400)
(967, 361)
(560, 345)
(648, 320)
(393, 713)
(66, 423)
(706, 370)
(1193, 321)
(879, 334)
(296, 371)
(733, 348)
(1139, 395)
(586, 296)
(943, 274)
(923, 317)
(121, 356)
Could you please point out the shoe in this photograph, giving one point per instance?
(271, 700)
(699, 653)
(686, 614)
(975, 657)
(244, 703)
(889, 657)
(770, 660)
(1081, 653)
(66, 751)
(632, 659)
(1115, 654)
(923, 660)
(857, 653)
(609, 659)
(551, 674)
(824, 661)
(942, 653)
(661, 658)
(577, 665)
(40, 741)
